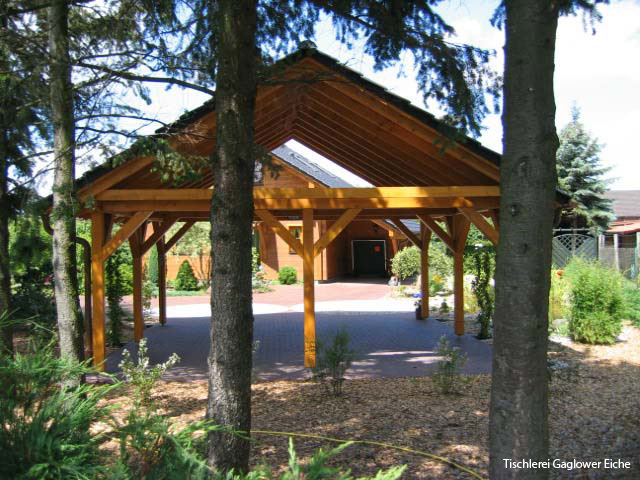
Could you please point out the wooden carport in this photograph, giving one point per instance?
(313, 99)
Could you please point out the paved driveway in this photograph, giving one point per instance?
(389, 341)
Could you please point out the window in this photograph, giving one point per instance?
(297, 234)
(257, 174)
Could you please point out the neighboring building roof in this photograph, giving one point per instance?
(625, 227)
(626, 203)
(309, 168)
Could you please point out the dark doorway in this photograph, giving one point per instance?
(369, 257)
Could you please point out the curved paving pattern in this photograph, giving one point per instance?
(389, 343)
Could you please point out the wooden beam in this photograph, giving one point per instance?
(179, 206)
(282, 231)
(264, 193)
(425, 237)
(309, 290)
(481, 223)
(335, 229)
(393, 231)
(115, 176)
(169, 244)
(124, 233)
(494, 214)
(159, 230)
(262, 242)
(162, 281)
(97, 289)
(408, 233)
(432, 225)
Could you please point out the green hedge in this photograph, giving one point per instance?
(186, 280)
(596, 302)
(287, 275)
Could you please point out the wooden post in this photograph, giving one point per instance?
(97, 288)
(135, 242)
(162, 281)
(309, 291)
(458, 292)
(138, 313)
(425, 237)
(459, 230)
(616, 254)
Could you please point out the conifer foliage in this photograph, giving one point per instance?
(580, 174)
(186, 280)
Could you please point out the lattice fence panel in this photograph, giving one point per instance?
(566, 246)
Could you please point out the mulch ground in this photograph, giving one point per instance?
(594, 414)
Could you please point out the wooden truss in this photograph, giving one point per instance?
(162, 208)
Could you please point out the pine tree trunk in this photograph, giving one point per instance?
(65, 284)
(6, 341)
(6, 114)
(231, 222)
(519, 394)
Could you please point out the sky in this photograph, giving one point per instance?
(600, 73)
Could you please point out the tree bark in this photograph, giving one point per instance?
(6, 341)
(233, 162)
(519, 393)
(65, 284)
(7, 115)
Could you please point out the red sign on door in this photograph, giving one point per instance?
(376, 248)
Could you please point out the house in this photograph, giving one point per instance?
(364, 247)
(619, 246)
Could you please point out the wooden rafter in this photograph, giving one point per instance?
(481, 223)
(407, 122)
(159, 230)
(408, 233)
(335, 229)
(363, 128)
(169, 244)
(124, 233)
(282, 231)
(432, 225)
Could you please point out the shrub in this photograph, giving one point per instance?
(481, 287)
(436, 285)
(406, 263)
(631, 294)
(149, 445)
(440, 262)
(596, 302)
(47, 430)
(186, 280)
(116, 288)
(333, 361)
(287, 275)
(152, 268)
(148, 293)
(447, 377)
(470, 300)
(255, 260)
(558, 295)
(315, 468)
